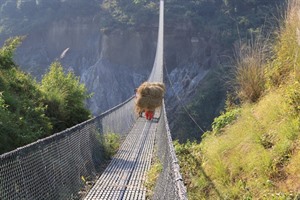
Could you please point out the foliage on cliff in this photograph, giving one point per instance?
(227, 19)
(30, 110)
(253, 150)
(21, 17)
(64, 96)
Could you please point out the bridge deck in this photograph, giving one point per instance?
(125, 176)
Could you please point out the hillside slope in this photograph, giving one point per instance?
(253, 150)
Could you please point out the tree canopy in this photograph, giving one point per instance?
(64, 96)
(31, 110)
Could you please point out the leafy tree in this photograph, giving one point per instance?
(129, 13)
(7, 51)
(30, 111)
(64, 96)
(22, 116)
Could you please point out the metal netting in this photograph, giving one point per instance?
(169, 185)
(54, 167)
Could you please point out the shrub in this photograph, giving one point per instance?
(224, 119)
(7, 51)
(152, 176)
(285, 63)
(249, 77)
(110, 142)
(293, 97)
(64, 96)
(22, 113)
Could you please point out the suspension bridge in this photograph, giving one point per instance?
(56, 167)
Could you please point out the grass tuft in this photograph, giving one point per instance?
(152, 176)
(249, 76)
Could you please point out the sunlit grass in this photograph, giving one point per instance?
(250, 159)
(152, 176)
(255, 154)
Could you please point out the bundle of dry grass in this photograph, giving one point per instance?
(149, 96)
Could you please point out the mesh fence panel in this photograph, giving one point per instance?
(169, 185)
(52, 168)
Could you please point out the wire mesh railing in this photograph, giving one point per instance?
(169, 185)
(53, 168)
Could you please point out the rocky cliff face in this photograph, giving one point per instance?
(111, 65)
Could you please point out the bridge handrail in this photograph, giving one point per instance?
(63, 133)
(169, 185)
(56, 167)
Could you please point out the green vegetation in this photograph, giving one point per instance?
(29, 110)
(20, 17)
(251, 159)
(249, 77)
(129, 13)
(224, 119)
(152, 176)
(227, 19)
(64, 96)
(110, 142)
(253, 150)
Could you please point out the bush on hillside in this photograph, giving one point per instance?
(7, 51)
(258, 156)
(29, 111)
(64, 96)
(285, 64)
(22, 116)
(293, 97)
(224, 119)
(249, 74)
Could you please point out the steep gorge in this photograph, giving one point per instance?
(112, 64)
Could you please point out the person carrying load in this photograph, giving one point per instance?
(149, 96)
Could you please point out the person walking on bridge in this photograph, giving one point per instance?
(149, 96)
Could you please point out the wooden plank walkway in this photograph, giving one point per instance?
(125, 176)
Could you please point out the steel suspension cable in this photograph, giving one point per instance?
(180, 101)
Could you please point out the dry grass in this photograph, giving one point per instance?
(256, 157)
(149, 96)
(285, 67)
(249, 73)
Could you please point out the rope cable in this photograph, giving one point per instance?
(180, 101)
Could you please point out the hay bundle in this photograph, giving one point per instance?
(149, 96)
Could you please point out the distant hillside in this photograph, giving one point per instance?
(253, 149)
(23, 17)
